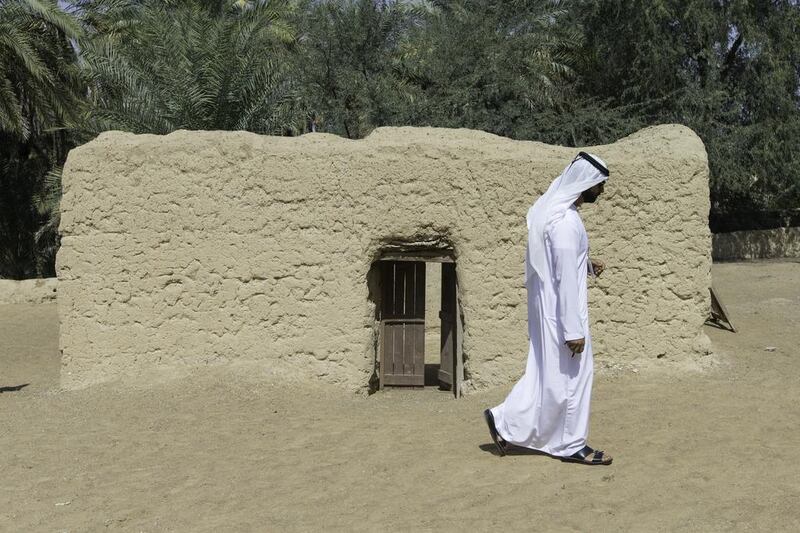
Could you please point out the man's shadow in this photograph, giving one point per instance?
(14, 388)
(512, 450)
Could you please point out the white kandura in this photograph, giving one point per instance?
(548, 408)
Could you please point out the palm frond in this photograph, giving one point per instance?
(49, 12)
(178, 67)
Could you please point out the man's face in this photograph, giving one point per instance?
(591, 194)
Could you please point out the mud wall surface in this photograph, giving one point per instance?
(776, 243)
(209, 247)
(28, 291)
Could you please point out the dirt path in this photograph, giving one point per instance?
(226, 450)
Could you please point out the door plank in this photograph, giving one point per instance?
(403, 323)
(409, 380)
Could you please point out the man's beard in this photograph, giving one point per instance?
(589, 197)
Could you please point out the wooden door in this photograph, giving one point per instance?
(402, 323)
(449, 368)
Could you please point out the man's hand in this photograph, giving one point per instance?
(576, 346)
(598, 266)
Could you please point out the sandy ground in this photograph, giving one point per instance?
(228, 450)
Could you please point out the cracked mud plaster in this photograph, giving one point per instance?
(199, 248)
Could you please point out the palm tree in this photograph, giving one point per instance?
(42, 95)
(40, 82)
(162, 65)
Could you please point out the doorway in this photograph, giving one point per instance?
(411, 354)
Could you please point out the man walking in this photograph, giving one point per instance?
(548, 409)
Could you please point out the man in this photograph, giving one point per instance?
(548, 409)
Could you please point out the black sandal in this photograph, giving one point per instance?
(581, 457)
(498, 440)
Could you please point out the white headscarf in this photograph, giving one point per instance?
(553, 204)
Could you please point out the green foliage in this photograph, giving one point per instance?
(728, 69)
(158, 66)
(492, 65)
(483, 65)
(40, 83)
(42, 98)
(347, 64)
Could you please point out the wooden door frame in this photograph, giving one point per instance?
(451, 320)
(426, 256)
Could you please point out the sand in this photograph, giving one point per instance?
(232, 450)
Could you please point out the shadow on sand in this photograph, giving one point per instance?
(14, 388)
(513, 450)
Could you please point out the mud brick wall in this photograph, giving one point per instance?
(210, 247)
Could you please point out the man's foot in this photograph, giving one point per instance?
(588, 456)
(498, 440)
